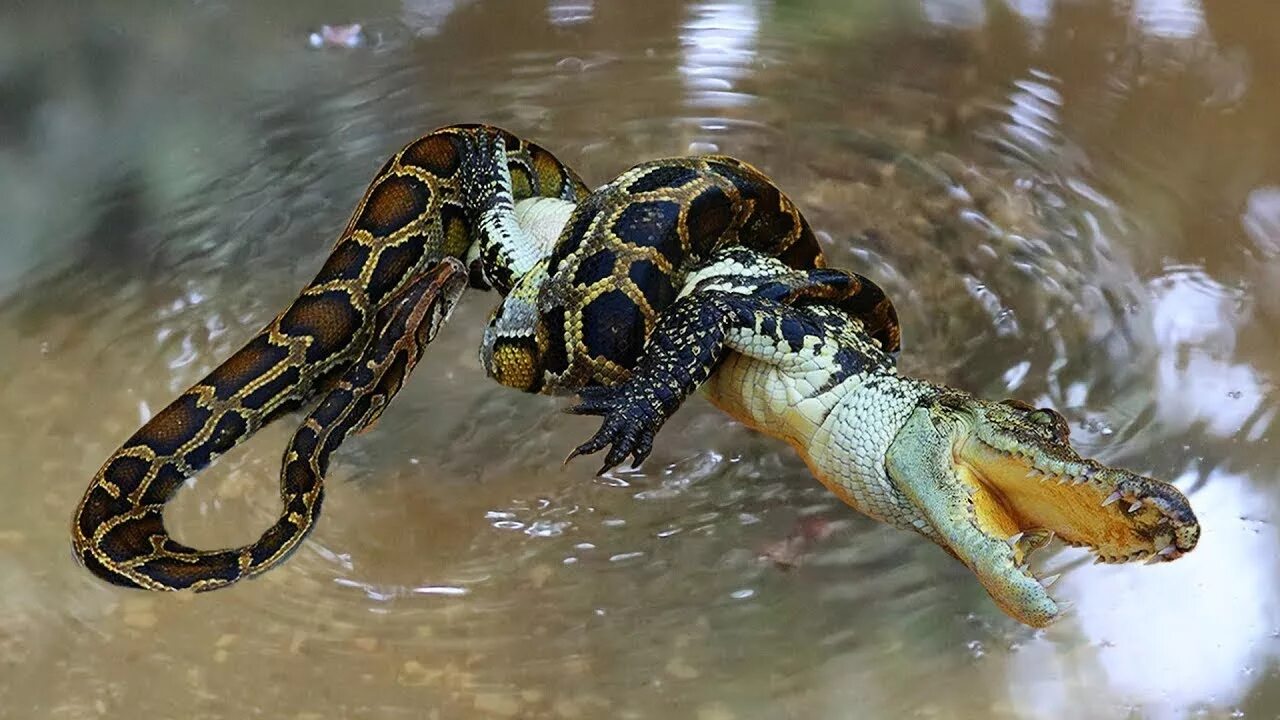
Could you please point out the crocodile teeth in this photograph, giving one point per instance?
(1025, 567)
(1046, 582)
(1111, 498)
(1014, 538)
(1136, 506)
(1167, 551)
(1099, 560)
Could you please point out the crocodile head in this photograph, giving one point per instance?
(1011, 481)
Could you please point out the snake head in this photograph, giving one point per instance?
(1014, 482)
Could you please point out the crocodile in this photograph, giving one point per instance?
(990, 481)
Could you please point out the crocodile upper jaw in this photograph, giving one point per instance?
(1117, 514)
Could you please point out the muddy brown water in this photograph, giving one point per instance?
(1074, 203)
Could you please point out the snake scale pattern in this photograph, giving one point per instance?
(425, 204)
(577, 308)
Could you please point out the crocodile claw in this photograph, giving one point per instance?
(628, 429)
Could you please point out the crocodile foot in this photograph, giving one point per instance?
(630, 424)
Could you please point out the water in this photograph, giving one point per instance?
(1074, 203)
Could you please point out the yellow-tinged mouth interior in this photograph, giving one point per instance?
(1011, 495)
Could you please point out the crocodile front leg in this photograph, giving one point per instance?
(681, 354)
(813, 343)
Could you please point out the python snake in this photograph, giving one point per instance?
(575, 313)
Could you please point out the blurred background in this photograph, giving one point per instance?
(1071, 202)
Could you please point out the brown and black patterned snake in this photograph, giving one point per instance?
(135, 544)
(577, 308)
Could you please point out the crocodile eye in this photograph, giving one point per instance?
(1052, 420)
(1043, 416)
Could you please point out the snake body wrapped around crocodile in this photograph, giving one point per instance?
(579, 303)
(590, 281)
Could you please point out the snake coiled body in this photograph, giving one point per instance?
(405, 325)
(427, 202)
(580, 315)
(576, 313)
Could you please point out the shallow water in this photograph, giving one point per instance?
(1077, 204)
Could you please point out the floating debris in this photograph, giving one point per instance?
(790, 551)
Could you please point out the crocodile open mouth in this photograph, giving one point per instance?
(1023, 502)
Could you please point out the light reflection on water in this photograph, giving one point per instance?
(1074, 207)
(718, 47)
(1196, 322)
(1220, 612)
